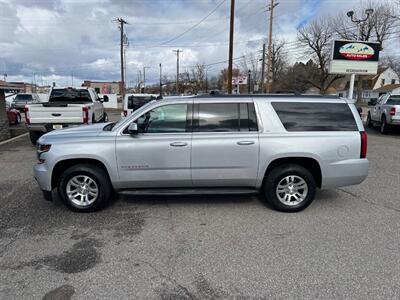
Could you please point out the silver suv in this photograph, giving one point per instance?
(283, 147)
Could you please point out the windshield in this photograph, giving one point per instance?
(23, 98)
(70, 95)
(394, 100)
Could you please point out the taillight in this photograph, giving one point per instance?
(125, 113)
(363, 152)
(27, 118)
(393, 111)
(85, 113)
(41, 148)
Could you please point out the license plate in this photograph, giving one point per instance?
(57, 126)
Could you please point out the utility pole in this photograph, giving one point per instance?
(72, 79)
(271, 16)
(231, 28)
(144, 78)
(263, 70)
(121, 22)
(161, 81)
(177, 69)
(249, 82)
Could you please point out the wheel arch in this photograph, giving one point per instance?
(62, 165)
(311, 164)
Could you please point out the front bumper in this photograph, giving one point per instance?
(43, 176)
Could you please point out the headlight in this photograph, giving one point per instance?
(42, 148)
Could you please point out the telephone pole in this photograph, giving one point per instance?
(121, 22)
(231, 28)
(263, 70)
(271, 16)
(161, 81)
(177, 51)
(144, 78)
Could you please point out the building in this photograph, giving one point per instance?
(5, 87)
(371, 84)
(103, 87)
(389, 88)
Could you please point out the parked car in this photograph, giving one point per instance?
(283, 147)
(13, 115)
(66, 107)
(385, 113)
(135, 101)
(21, 100)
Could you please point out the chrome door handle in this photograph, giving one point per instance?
(245, 143)
(178, 144)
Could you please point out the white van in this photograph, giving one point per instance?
(134, 101)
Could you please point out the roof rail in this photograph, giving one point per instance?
(277, 95)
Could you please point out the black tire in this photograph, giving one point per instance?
(279, 173)
(97, 175)
(105, 117)
(369, 121)
(34, 136)
(93, 119)
(384, 126)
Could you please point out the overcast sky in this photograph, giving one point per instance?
(52, 38)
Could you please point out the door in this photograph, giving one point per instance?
(225, 145)
(159, 155)
(376, 111)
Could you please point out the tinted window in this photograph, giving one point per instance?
(23, 98)
(315, 116)
(134, 102)
(225, 117)
(164, 119)
(393, 100)
(70, 95)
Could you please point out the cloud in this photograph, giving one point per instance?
(55, 38)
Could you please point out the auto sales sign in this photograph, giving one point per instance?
(354, 57)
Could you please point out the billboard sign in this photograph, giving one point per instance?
(239, 80)
(354, 57)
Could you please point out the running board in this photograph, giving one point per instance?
(188, 191)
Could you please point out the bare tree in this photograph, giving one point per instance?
(317, 37)
(278, 62)
(251, 62)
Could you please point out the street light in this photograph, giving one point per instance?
(368, 12)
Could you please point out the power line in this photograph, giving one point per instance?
(195, 25)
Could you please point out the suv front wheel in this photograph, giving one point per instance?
(289, 188)
(85, 188)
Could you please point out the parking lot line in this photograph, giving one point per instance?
(14, 138)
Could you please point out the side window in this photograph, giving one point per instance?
(225, 117)
(164, 119)
(306, 116)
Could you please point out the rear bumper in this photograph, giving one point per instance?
(394, 120)
(49, 127)
(344, 173)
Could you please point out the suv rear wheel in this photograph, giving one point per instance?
(84, 188)
(289, 188)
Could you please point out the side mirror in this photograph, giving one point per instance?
(133, 128)
(105, 98)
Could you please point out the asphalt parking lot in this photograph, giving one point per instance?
(345, 245)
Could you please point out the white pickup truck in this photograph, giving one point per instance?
(66, 107)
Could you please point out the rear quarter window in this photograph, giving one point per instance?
(309, 116)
